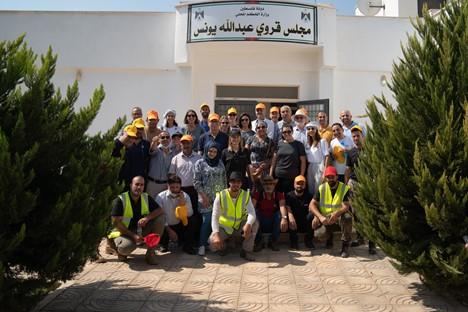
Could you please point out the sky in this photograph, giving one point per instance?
(344, 7)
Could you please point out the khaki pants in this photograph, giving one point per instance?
(345, 224)
(247, 244)
(126, 245)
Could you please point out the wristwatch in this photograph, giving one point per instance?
(284, 217)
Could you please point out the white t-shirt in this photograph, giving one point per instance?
(169, 204)
(339, 151)
(316, 154)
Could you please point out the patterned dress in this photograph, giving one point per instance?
(209, 180)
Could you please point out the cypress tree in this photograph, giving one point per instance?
(56, 181)
(412, 199)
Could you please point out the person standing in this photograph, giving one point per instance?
(205, 112)
(224, 121)
(286, 117)
(135, 215)
(209, 179)
(236, 157)
(245, 125)
(301, 118)
(233, 215)
(317, 152)
(348, 122)
(193, 128)
(274, 117)
(325, 130)
(232, 117)
(299, 217)
(260, 112)
(161, 155)
(339, 148)
(136, 113)
(213, 135)
(288, 161)
(151, 129)
(330, 206)
(170, 123)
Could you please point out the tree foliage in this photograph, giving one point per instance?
(413, 194)
(56, 181)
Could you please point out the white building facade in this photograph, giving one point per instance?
(153, 60)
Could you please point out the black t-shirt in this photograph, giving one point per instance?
(333, 191)
(235, 161)
(299, 204)
(117, 210)
(288, 162)
(351, 161)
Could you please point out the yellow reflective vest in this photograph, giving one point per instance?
(329, 204)
(232, 215)
(128, 212)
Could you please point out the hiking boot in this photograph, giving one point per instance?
(372, 250)
(272, 245)
(247, 255)
(151, 257)
(111, 248)
(345, 249)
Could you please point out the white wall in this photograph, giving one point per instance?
(131, 54)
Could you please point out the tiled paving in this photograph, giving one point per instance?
(283, 281)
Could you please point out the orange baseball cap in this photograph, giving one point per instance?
(139, 123)
(204, 104)
(260, 106)
(213, 117)
(274, 109)
(152, 114)
(300, 178)
(131, 131)
(186, 137)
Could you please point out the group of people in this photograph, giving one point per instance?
(218, 178)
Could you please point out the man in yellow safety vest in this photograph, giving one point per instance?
(329, 206)
(134, 215)
(233, 215)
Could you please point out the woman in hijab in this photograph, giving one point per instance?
(209, 179)
(170, 124)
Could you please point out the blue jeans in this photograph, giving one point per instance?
(205, 229)
(268, 225)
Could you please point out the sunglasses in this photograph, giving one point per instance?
(311, 128)
(191, 115)
(225, 123)
(164, 137)
(287, 132)
(232, 115)
(261, 127)
(244, 119)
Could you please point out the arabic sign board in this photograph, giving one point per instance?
(252, 20)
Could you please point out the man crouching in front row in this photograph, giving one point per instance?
(134, 215)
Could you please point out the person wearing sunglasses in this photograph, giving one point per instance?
(193, 128)
(232, 117)
(245, 125)
(213, 135)
(161, 156)
(289, 161)
(151, 128)
(260, 112)
(317, 152)
(301, 118)
(224, 124)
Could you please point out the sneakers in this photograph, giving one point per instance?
(345, 249)
(201, 250)
(272, 245)
(247, 255)
(151, 257)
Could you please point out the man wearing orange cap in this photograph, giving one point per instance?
(300, 220)
(260, 111)
(330, 206)
(136, 152)
(213, 135)
(274, 116)
(232, 117)
(205, 113)
(151, 129)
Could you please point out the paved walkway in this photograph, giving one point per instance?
(284, 281)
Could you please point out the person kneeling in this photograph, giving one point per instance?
(329, 206)
(134, 216)
(233, 215)
(181, 224)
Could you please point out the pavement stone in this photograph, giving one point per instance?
(288, 280)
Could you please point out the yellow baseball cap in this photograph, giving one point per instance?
(204, 104)
(186, 137)
(356, 127)
(131, 131)
(274, 109)
(232, 110)
(139, 123)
